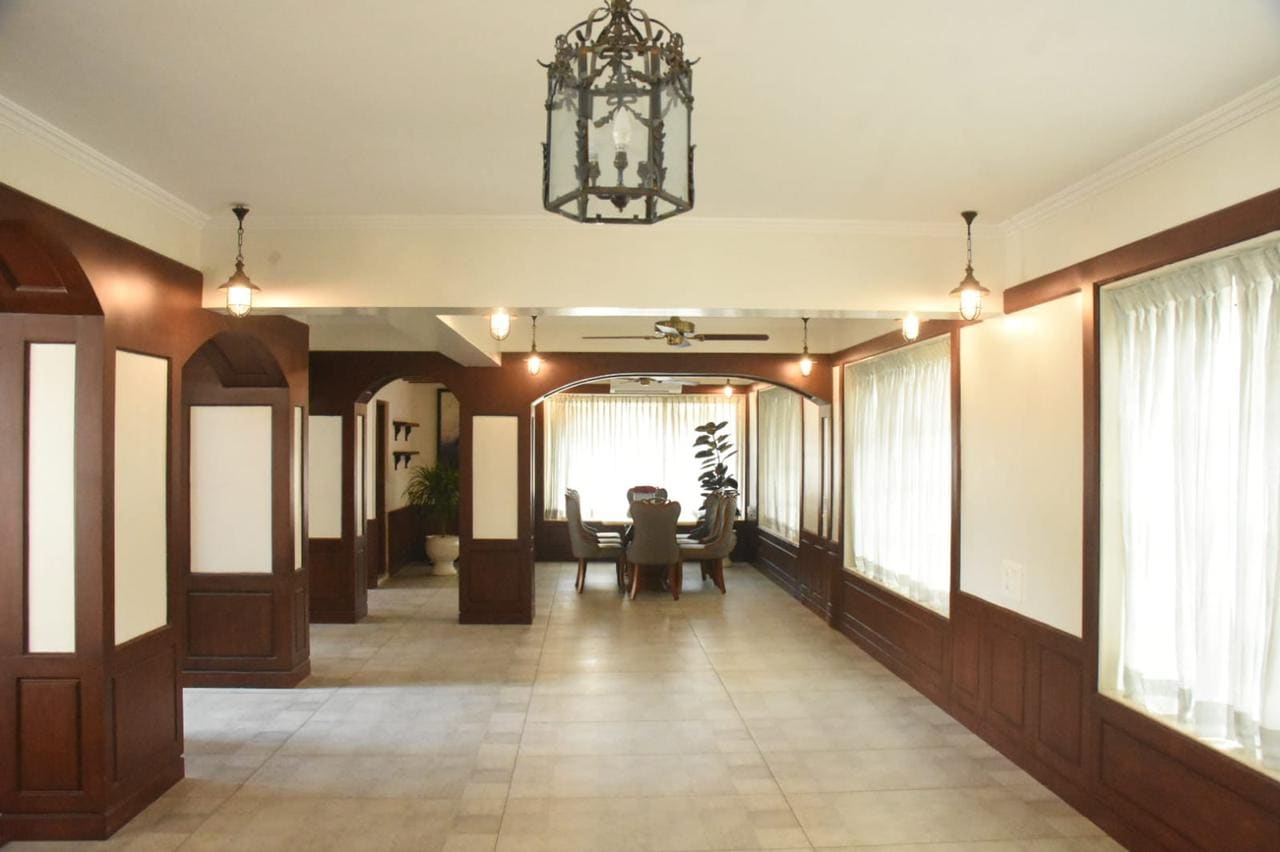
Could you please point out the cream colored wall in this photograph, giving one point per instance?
(414, 403)
(495, 477)
(1230, 167)
(42, 161)
(50, 498)
(476, 264)
(296, 486)
(1021, 438)
(231, 489)
(324, 476)
(141, 495)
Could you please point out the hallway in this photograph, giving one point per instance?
(718, 722)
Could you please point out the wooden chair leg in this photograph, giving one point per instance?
(673, 580)
(621, 573)
(582, 576)
(635, 580)
(719, 574)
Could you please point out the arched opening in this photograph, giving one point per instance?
(241, 551)
(602, 435)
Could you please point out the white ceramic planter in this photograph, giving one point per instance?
(442, 550)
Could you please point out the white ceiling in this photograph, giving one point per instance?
(823, 109)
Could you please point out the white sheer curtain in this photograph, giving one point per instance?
(602, 445)
(778, 468)
(1195, 461)
(898, 479)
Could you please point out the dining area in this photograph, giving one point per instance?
(651, 548)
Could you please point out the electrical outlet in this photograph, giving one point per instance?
(1011, 581)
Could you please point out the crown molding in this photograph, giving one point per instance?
(26, 123)
(1253, 103)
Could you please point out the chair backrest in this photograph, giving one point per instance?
(580, 543)
(725, 537)
(715, 511)
(645, 492)
(654, 533)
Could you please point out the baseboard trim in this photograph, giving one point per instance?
(247, 679)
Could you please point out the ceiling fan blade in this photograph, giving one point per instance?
(730, 336)
(663, 328)
(620, 337)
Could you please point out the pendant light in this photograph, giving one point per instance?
(239, 288)
(910, 327)
(806, 363)
(969, 290)
(728, 388)
(534, 362)
(499, 324)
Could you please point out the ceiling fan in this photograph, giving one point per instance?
(678, 332)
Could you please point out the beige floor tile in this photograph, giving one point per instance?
(632, 776)
(875, 769)
(630, 825)
(917, 816)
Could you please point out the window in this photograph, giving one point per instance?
(779, 470)
(898, 478)
(602, 445)
(1191, 499)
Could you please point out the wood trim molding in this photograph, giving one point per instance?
(1244, 221)
(929, 329)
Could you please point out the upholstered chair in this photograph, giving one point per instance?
(653, 542)
(712, 553)
(710, 523)
(585, 544)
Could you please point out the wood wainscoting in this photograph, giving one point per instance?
(406, 538)
(1024, 688)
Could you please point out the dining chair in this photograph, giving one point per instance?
(709, 526)
(587, 544)
(653, 542)
(712, 553)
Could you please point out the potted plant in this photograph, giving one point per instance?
(434, 491)
(714, 449)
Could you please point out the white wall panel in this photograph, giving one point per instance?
(51, 492)
(324, 476)
(141, 495)
(1021, 437)
(495, 501)
(231, 489)
(295, 487)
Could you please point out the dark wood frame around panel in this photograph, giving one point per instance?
(109, 294)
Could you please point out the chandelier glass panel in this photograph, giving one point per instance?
(619, 115)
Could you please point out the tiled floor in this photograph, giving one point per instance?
(718, 722)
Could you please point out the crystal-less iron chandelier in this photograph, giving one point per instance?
(806, 363)
(619, 117)
(969, 290)
(239, 289)
(534, 363)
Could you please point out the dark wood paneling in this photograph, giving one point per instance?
(1199, 809)
(39, 274)
(301, 635)
(230, 624)
(1060, 727)
(778, 559)
(1006, 675)
(332, 601)
(905, 636)
(406, 534)
(49, 756)
(495, 583)
(145, 711)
